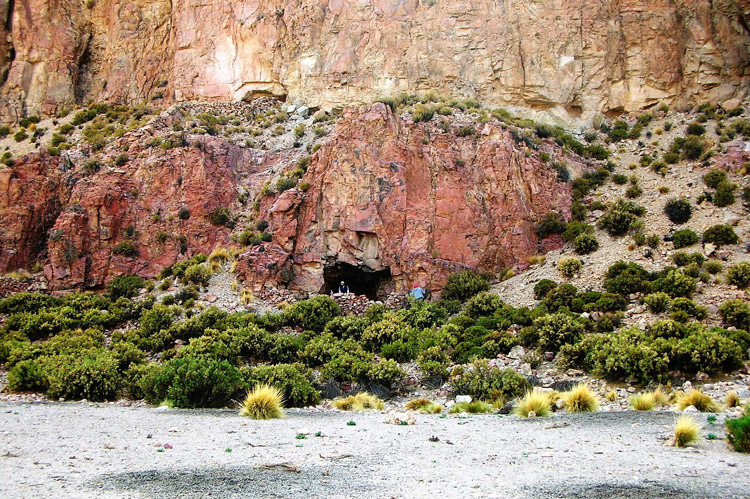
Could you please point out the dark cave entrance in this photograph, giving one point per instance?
(361, 280)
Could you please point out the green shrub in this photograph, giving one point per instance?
(552, 223)
(569, 267)
(27, 375)
(465, 284)
(293, 380)
(626, 278)
(543, 287)
(125, 248)
(675, 283)
(714, 177)
(620, 179)
(183, 213)
(125, 285)
(739, 275)
(122, 159)
(194, 382)
(482, 305)
(220, 216)
(585, 244)
(693, 147)
(621, 217)
(488, 383)
(684, 238)
(695, 129)
(389, 329)
(313, 314)
(196, 274)
(90, 374)
(713, 267)
(736, 313)
(683, 258)
(556, 330)
(724, 195)
(657, 302)
(720, 235)
(689, 307)
(738, 433)
(707, 351)
(386, 372)
(560, 297)
(678, 210)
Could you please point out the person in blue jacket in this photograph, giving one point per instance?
(417, 292)
(343, 288)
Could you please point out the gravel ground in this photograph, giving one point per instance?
(102, 450)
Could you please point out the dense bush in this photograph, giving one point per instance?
(684, 238)
(125, 285)
(675, 283)
(736, 313)
(626, 278)
(465, 284)
(194, 382)
(621, 217)
(488, 383)
(678, 210)
(569, 267)
(657, 302)
(543, 287)
(552, 223)
(720, 235)
(313, 314)
(125, 248)
(738, 433)
(739, 275)
(724, 195)
(556, 330)
(693, 147)
(90, 374)
(293, 380)
(482, 304)
(585, 244)
(714, 177)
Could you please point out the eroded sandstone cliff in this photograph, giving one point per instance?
(574, 57)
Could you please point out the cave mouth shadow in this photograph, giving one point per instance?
(361, 280)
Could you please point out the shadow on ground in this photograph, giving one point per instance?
(645, 490)
(230, 482)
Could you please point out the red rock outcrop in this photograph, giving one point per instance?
(566, 56)
(412, 200)
(32, 194)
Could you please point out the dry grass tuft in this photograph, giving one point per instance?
(220, 255)
(661, 398)
(699, 400)
(424, 405)
(686, 431)
(611, 395)
(246, 297)
(643, 402)
(535, 403)
(473, 407)
(358, 402)
(263, 402)
(732, 400)
(580, 399)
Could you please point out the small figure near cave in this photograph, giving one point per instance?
(343, 288)
(417, 292)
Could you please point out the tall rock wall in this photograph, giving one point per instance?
(574, 57)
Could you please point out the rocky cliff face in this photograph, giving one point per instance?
(405, 203)
(573, 57)
(384, 199)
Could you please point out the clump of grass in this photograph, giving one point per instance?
(263, 402)
(699, 400)
(220, 255)
(358, 402)
(534, 404)
(732, 399)
(473, 407)
(246, 297)
(686, 431)
(643, 402)
(611, 395)
(581, 399)
(661, 398)
(424, 405)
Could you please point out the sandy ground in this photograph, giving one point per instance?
(90, 450)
